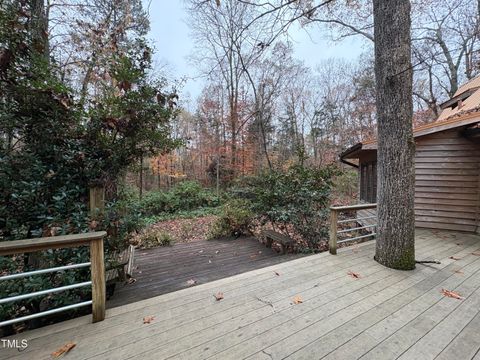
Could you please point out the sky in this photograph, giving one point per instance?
(171, 37)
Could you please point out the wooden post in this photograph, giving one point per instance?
(98, 280)
(97, 199)
(333, 232)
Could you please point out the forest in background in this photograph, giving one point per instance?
(262, 108)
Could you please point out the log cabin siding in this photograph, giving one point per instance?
(447, 170)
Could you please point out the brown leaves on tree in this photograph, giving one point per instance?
(148, 319)
(297, 300)
(354, 275)
(218, 296)
(64, 349)
(452, 294)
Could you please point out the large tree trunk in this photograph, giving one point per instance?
(395, 246)
(39, 24)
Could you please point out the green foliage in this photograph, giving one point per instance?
(234, 219)
(346, 184)
(185, 197)
(53, 147)
(295, 199)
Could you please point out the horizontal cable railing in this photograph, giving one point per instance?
(359, 223)
(97, 270)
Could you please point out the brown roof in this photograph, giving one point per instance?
(470, 100)
(463, 119)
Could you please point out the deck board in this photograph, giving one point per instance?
(385, 313)
(166, 269)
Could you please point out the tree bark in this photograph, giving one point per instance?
(395, 246)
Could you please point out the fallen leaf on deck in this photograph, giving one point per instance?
(148, 319)
(276, 273)
(458, 271)
(459, 244)
(253, 256)
(297, 300)
(451, 294)
(454, 258)
(218, 296)
(209, 261)
(476, 253)
(131, 281)
(64, 349)
(191, 282)
(354, 275)
(201, 251)
(216, 252)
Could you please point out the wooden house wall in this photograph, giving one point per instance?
(447, 182)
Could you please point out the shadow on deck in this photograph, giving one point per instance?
(165, 269)
(384, 314)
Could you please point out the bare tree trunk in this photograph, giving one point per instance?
(39, 22)
(395, 246)
(141, 177)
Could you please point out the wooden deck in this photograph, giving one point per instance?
(169, 268)
(385, 314)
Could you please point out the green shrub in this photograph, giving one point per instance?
(235, 218)
(186, 196)
(297, 198)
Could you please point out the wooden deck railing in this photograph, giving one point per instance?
(97, 267)
(335, 211)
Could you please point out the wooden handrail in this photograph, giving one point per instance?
(353, 207)
(45, 243)
(334, 210)
(92, 239)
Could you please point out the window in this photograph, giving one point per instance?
(368, 182)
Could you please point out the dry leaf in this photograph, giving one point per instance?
(191, 282)
(297, 300)
(451, 294)
(131, 281)
(276, 273)
(218, 251)
(458, 271)
(354, 275)
(148, 319)
(476, 253)
(454, 258)
(218, 296)
(209, 261)
(64, 349)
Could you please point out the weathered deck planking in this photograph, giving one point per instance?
(385, 314)
(166, 269)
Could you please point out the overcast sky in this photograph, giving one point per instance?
(170, 34)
